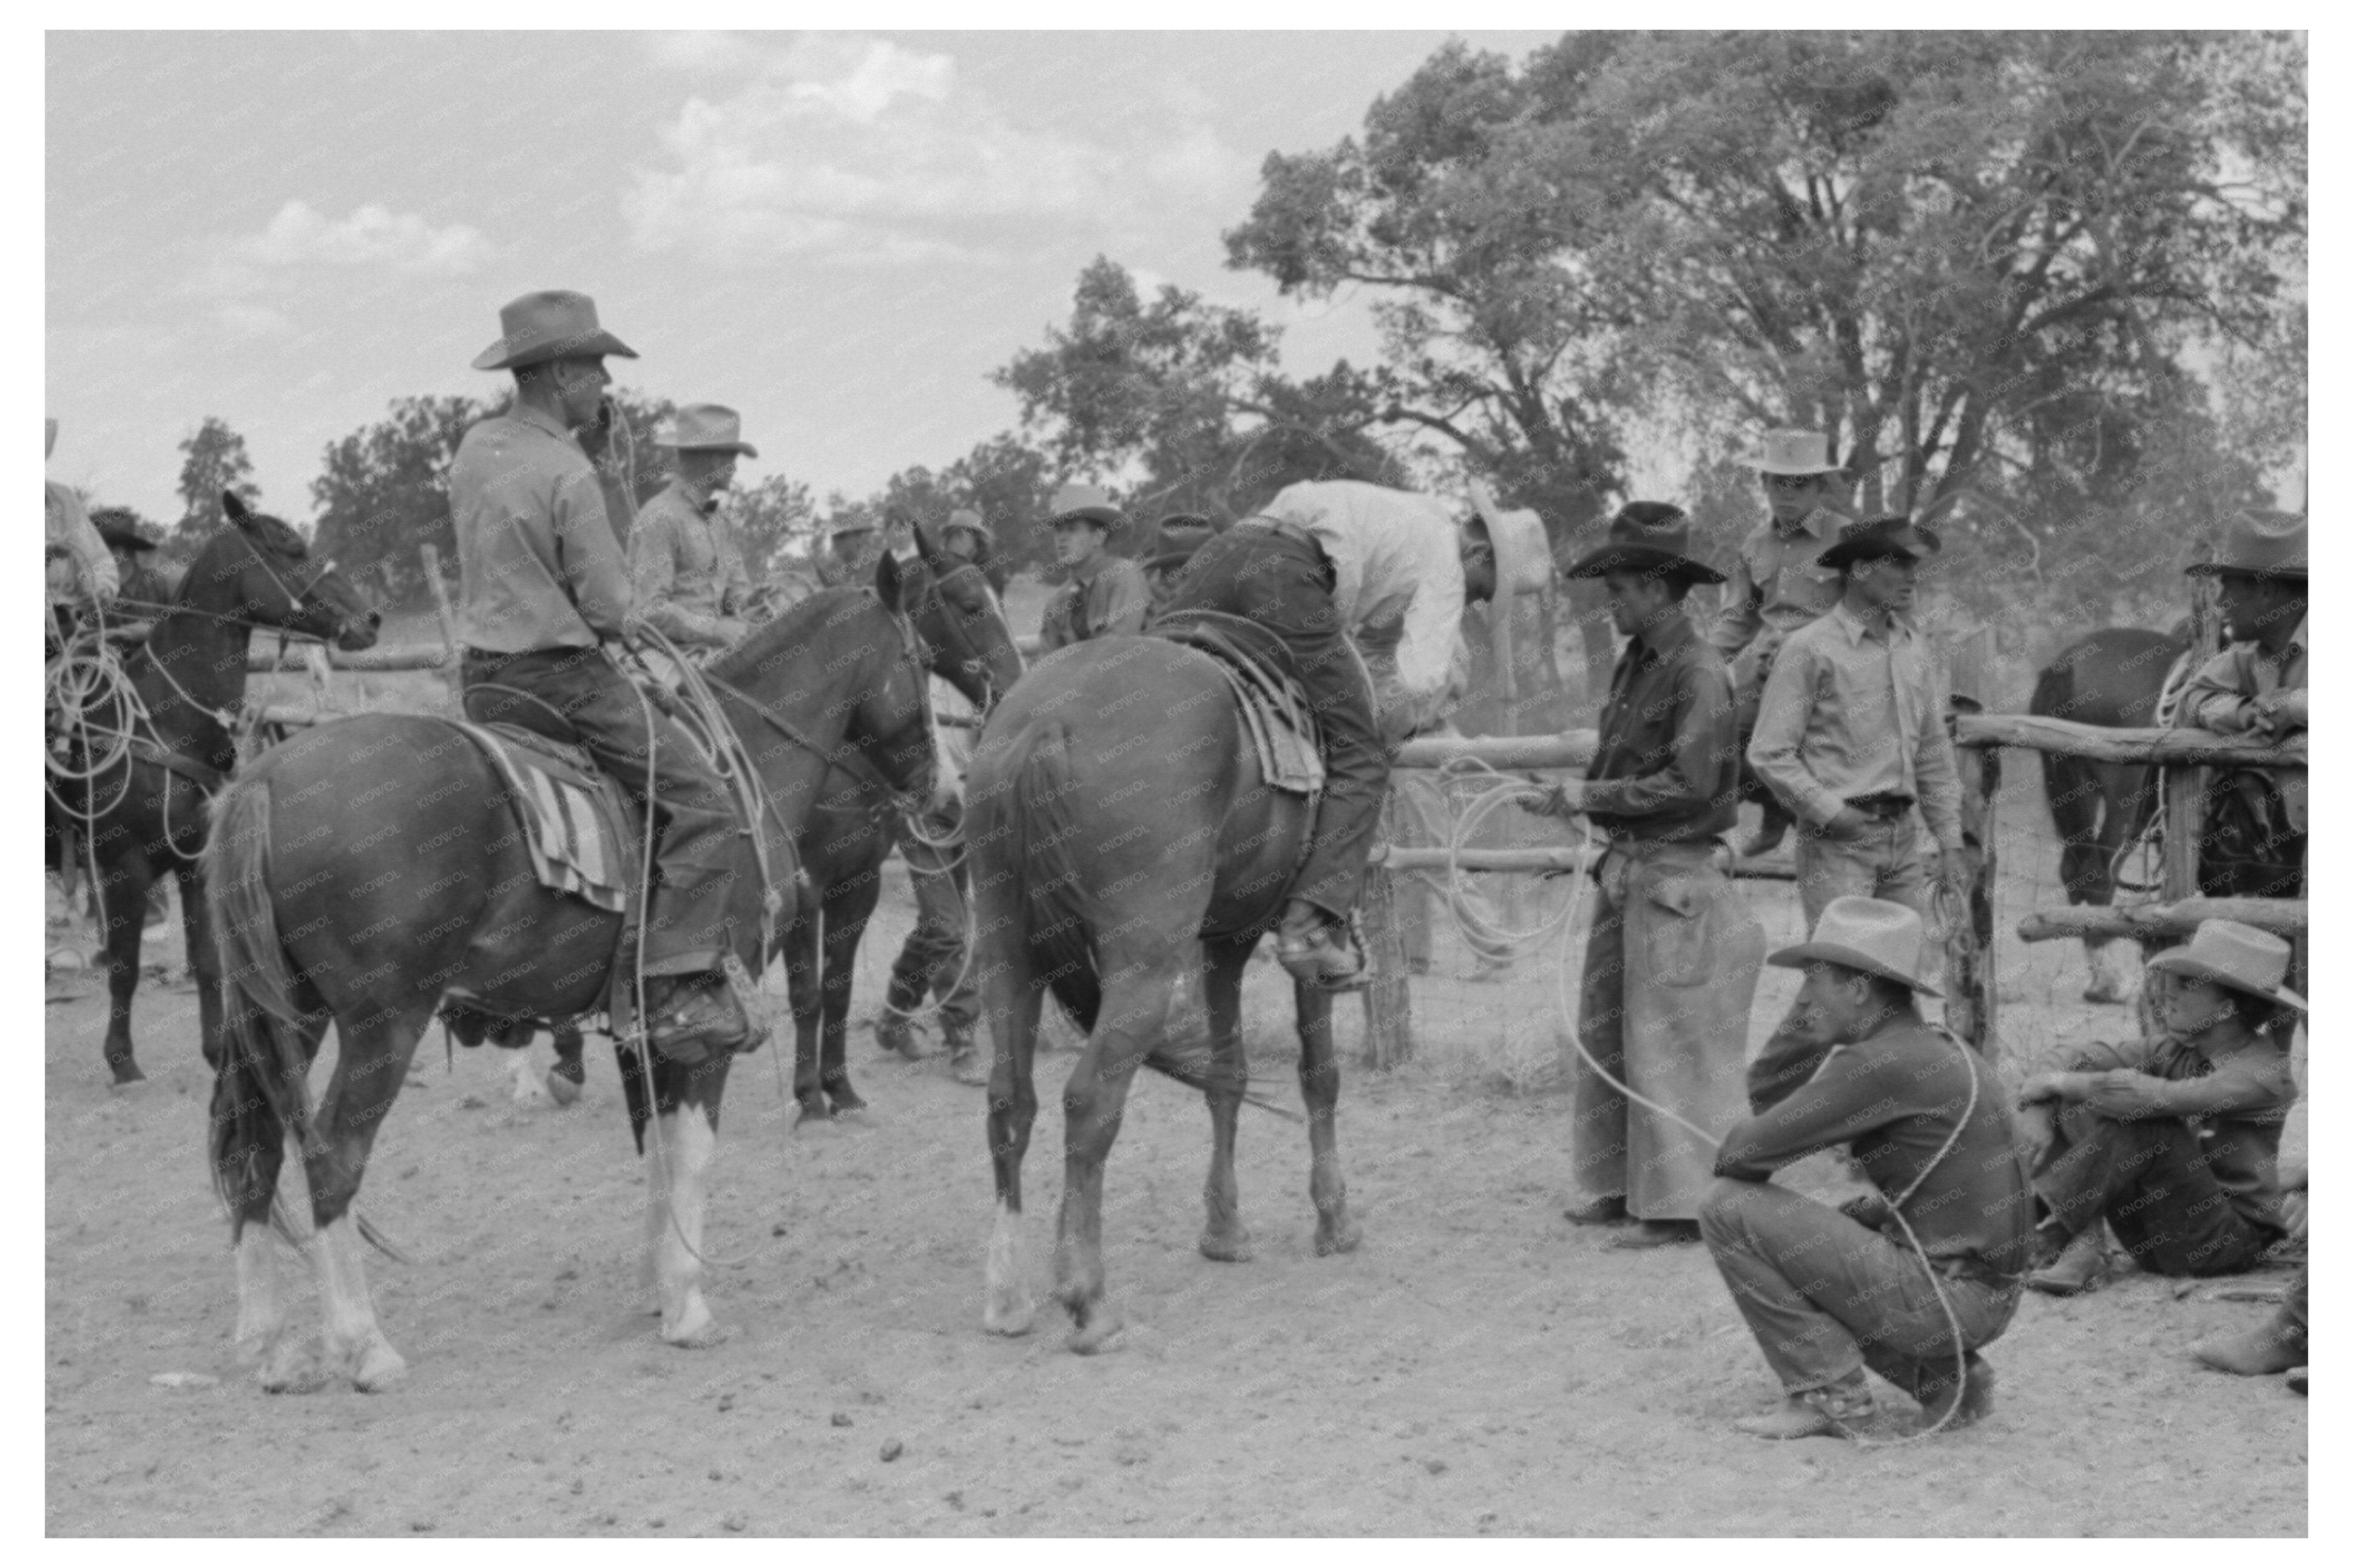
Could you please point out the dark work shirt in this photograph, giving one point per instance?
(2241, 1143)
(1667, 768)
(1894, 1098)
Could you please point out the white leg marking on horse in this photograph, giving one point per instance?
(649, 1276)
(690, 1143)
(260, 1315)
(1008, 1309)
(354, 1344)
(529, 1093)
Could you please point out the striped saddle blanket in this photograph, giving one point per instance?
(580, 830)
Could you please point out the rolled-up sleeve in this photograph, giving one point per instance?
(1781, 729)
(589, 555)
(2218, 697)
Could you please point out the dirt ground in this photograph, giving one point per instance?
(1480, 1367)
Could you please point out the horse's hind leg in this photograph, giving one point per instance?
(1131, 1022)
(122, 901)
(845, 926)
(1319, 1086)
(371, 1065)
(1224, 1237)
(798, 943)
(1014, 1000)
(204, 963)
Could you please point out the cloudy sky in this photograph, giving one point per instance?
(838, 233)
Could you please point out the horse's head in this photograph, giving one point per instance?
(259, 570)
(963, 624)
(892, 721)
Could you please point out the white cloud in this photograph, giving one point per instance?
(856, 148)
(372, 236)
(249, 319)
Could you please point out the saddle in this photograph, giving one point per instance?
(1258, 666)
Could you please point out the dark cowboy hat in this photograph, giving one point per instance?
(1176, 537)
(1648, 537)
(972, 521)
(1087, 504)
(2259, 543)
(556, 324)
(1882, 538)
(119, 531)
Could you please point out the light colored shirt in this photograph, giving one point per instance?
(86, 570)
(1394, 555)
(538, 565)
(2223, 697)
(684, 572)
(956, 723)
(1779, 581)
(1850, 713)
(1107, 596)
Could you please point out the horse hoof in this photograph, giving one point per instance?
(561, 1089)
(288, 1367)
(700, 1331)
(1232, 1245)
(813, 1108)
(126, 1072)
(846, 1101)
(1345, 1236)
(1009, 1316)
(1095, 1326)
(380, 1367)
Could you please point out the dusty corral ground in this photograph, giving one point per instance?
(1479, 1367)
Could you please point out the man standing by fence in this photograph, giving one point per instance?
(1671, 960)
(1852, 732)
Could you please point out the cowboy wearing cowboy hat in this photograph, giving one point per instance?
(851, 549)
(145, 591)
(1176, 539)
(1778, 584)
(2173, 1140)
(1850, 734)
(967, 536)
(1316, 565)
(1105, 594)
(2258, 685)
(544, 592)
(1829, 1292)
(688, 579)
(1671, 960)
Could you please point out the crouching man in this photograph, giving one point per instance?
(1830, 1292)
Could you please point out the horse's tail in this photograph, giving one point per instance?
(2072, 787)
(1039, 827)
(262, 1093)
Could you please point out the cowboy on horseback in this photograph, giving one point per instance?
(684, 572)
(1313, 566)
(545, 596)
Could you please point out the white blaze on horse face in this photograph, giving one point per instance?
(689, 1144)
(1008, 1309)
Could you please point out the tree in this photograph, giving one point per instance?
(775, 522)
(211, 460)
(1187, 398)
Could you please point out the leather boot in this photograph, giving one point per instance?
(689, 1016)
(2277, 1346)
(964, 1061)
(1829, 1412)
(1315, 948)
(1969, 1397)
(2080, 1269)
(1657, 1233)
(1609, 1211)
(892, 1034)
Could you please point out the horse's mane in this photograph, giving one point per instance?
(792, 626)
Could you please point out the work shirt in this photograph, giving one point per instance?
(2246, 1090)
(1106, 597)
(1893, 1098)
(955, 724)
(1779, 581)
(1667, 768)
(1850, 713)
(86, 570)
(1394, 555)
(2222, 698)
(684, 572)
(538, 565)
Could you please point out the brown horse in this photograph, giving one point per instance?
(1121, 836)
(141, 815)
(367, 924)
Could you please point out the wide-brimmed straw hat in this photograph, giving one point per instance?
(2240, 956)
(1087, 502)
(706, 427)
(1648, 537)
(1524, 560)
(554, 323)
(1874, 935)
(2259, 543)
(1880, 538)
(1794, 452)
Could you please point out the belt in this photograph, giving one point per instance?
(1886, 804)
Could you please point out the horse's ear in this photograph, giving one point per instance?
(891, 580)
(233, 505)
(929, 551)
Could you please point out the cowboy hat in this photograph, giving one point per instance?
(972, 521)
(1085, 503)
(1523, 562)
(1878, 539)
(1174, 538)
(1872, 935)
(706, 427)
(556, 324)
(119, 531)
(2243, 957)
(1795, 452)
(1648, 537)
(855, 524)
(2259, 543)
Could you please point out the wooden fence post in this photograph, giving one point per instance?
(432, 558)
(1388, 999)
(1969, 999)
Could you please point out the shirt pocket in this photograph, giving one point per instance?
(1678, 920)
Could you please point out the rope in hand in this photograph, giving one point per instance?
(1565, 924)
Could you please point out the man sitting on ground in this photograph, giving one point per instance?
(1828, 1291)
(2173, 1141)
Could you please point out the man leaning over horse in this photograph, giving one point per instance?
(1316, 564)
(545, 597)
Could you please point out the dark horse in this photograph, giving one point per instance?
(144, 814)
(1121, 837)
(323, 922)
(851, 832)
